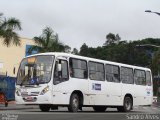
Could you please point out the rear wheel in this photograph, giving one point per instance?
(100, 108)
(44, 108)
(127, 105)
(74, 103)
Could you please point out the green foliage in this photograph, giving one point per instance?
(84, 50)
(75, 51)
(7, 30)
(112, 39)
(67, 49)
(48, 42)
(124, 52)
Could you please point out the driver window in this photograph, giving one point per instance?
(61, 76)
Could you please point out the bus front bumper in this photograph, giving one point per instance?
(40, 99)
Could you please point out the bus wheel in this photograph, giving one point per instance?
(100, 108)
(127, 105)
(74, 103)
(44, 108)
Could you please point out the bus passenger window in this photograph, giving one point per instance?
(78, 68)
(127, 75)
(140, 77)
(96, 71)
(112, 73)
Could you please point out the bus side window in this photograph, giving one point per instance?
(127, 75)
(148, 78)
(78, 68)
(140, 77)
(112, 73)
(96, 71)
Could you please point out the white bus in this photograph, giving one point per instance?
(60, 79)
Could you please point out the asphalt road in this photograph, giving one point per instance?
(138, 113)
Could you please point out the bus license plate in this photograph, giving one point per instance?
(29, 98)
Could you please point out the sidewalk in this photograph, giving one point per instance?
(17, 107)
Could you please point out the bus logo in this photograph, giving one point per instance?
(96, 86)
(148, 90)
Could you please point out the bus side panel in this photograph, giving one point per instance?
(140, 94)
(149, 95)
(97, 92)
(61, 98)
(113, 92)
(63, 91)
(128, 89)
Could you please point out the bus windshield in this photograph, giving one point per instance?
(35, 70)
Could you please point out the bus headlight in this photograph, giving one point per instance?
(17, 92)
(46, 89)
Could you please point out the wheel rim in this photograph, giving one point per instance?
(128, 104)
(75, 103)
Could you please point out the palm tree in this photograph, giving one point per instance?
(47, 42)
(7, 30)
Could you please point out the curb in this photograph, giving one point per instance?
(23, 108)
(12, 106)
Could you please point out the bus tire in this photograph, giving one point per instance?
(74, 103)
(99, 108)
(127, 105)
(44, 108)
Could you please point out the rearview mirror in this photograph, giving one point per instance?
(59, 67)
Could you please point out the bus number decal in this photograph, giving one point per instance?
(96, 86)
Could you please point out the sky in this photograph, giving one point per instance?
(85, 21)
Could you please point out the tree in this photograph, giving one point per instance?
(84, 50)
(67, 49)
(112, 38)
(75, 51)
(47, 42)
(8, 26)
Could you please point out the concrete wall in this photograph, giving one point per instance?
(11, 56)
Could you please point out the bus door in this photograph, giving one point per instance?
(60, 82)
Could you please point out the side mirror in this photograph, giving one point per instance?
(59, 67)
(14, 70)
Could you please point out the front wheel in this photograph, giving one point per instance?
(127, 105)
(100, 108)
(44, 108)
(74, 103)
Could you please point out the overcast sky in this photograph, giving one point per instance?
(86, 21)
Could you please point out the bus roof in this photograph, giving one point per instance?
(89, 59)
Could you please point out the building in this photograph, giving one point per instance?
(10, 57)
